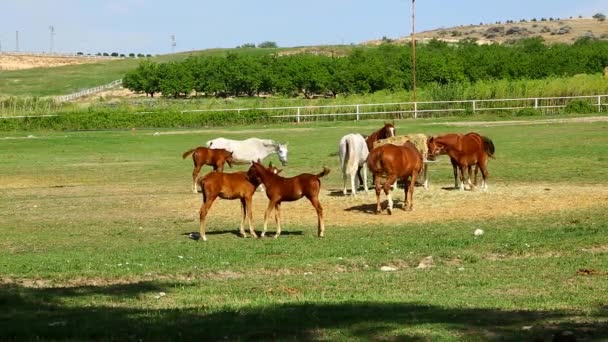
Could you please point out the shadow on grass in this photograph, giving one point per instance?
(57, 313)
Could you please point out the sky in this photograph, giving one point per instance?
(146, 26)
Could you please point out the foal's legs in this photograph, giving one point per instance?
(269, 209)
(277, 218)
(246, 204)
(483, 165)
(364, 178)
(203, 214)
(320, 223)
(462, 171)
(455, 169)
(197, 169)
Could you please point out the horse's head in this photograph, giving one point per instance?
(435, 148)
(387, 131)
(229, 158)
(282, 152)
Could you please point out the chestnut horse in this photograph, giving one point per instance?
(280, 189)
(387, 131)
(229, 186)
(397, 162)
(465, 151)
(206, 156)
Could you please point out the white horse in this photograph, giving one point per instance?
(249, 150)
(353, 154)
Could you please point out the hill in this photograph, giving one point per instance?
(551, 30)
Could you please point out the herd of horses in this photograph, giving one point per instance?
(388, 157)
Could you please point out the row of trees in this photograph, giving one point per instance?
(365, 70)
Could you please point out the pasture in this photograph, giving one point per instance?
(92, 244)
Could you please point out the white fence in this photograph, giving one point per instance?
(70, 97)
(399, 110)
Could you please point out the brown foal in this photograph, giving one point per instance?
(207, 156)
(280, 189)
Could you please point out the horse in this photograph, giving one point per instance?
(421, 142)
(397, 162)
(353, 154)
(205, 156)
(229, 186)
(250, 150)
(387, 131)
(465, 151)
(280, 189)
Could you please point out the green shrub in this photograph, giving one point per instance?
(528, 112)
(579, 107)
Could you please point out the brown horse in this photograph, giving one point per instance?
(397, 162)
(387, 131)
(280, 189)
(230, 186)
(206, 156)
(465, 151)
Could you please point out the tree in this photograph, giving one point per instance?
(144, 79)
(175, 79)
(267, 45)
(599, 16)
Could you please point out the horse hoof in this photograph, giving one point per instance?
(390, 211)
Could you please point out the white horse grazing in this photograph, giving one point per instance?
(249, 150)
(353, 154)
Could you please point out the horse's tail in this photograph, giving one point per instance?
(489, 146)
(187, 153)
(350, 156)
(323, 173)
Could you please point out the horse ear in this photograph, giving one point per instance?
(270, 164)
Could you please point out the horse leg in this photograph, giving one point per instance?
(390, 180)
(365, 179)
(277, 218)
(203, 214)
(470, 170)
(425, 169)
(359, 176)
(195, 172)
(353, 189)
(344, 178)
(455, 170)
(483, 165)
(266, 214)
(320, 223)
(243, 217)
(462, 172)
(409, 192)
(249, 212)
(377, 187)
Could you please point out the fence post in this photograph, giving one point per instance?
(298, 115)
(415, 110)
(535, 103)
(599, 103)
(358, 113)
(474, 106)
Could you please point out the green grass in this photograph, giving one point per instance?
(90, 226)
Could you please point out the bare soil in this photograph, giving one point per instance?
(25, 61)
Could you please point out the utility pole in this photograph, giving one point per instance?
(52, 32)
(173, 43)
(414, 49)
(17, 41)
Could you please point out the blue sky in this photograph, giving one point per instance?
(145, 26)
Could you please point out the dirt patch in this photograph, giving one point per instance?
(25, 61)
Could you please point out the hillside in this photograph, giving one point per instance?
(552, 31)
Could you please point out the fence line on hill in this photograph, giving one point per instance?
(418, 109)
(85, 92)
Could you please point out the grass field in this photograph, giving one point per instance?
(91, 243)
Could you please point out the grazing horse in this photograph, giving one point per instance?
(397, 162)
(353, 154)
(421, 142)
(229, 186)
(280, 189)
(206, 156)
(465, 151)
(250, 150)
